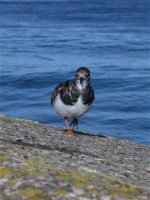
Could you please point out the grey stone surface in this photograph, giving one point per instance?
(43, 161)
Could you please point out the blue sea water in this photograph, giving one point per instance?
(42, 43)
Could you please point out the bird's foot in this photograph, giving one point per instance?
(69, 132)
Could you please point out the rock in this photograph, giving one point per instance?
(42, 162)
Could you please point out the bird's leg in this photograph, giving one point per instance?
(69, 131)
(74, 123)
(77, 123)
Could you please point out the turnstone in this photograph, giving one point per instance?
(73, 98)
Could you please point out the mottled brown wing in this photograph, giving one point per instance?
(88, 96)
(55, 92)
(69, 94)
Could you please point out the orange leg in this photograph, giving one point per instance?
(69, 130)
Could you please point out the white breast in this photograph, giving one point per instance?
(76, 110)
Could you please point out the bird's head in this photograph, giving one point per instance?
(82, 77)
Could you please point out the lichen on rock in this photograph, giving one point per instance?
(41, 162)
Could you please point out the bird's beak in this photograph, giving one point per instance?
(81, 80)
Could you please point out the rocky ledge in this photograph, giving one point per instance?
(42, 162)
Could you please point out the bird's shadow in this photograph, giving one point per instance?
(86, 133)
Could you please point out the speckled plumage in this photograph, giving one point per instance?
(69, 93)
(74, 97)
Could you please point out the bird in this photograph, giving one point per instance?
(73, 98)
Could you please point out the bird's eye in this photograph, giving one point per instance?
(87, 74)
